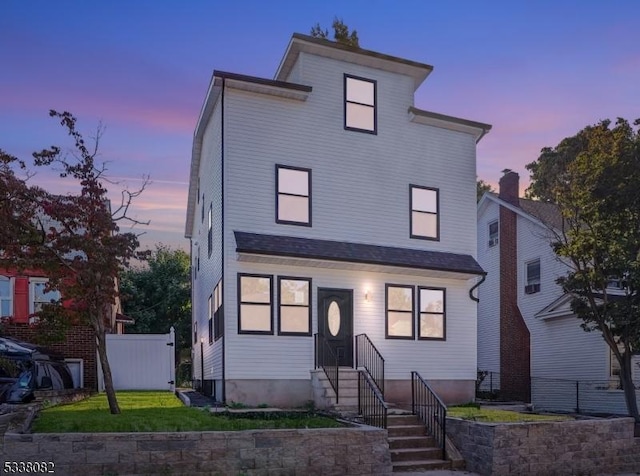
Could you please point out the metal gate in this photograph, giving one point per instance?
(141, 361)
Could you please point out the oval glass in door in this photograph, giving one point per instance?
(333, 318)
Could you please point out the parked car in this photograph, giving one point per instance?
(25, 368)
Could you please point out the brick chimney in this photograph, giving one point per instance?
(510, 187)
(515, 345)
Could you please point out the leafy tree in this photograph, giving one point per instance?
(481, 188)
(73, 239)
(158, 295)
(594, 178)
(341, 33)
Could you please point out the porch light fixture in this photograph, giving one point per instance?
(366, 295)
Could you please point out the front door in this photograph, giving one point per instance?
(335, 322)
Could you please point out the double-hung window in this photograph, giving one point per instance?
(255, 310)
(399, 312)
(532, 277)
(494, 231)
(425, 223)
(210, 230)
(210, 318)
(293, 195)
(39, 296)
(360, 113)
(6, 297)
(432, 313)
(218, 322)
(294, 316)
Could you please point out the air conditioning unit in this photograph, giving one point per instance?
(493, 241)
(532, 288)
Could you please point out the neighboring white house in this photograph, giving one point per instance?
(322, 201)
(527, 334)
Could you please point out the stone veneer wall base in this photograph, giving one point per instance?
(359, 450)
(585, 447)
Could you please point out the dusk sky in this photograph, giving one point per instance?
(537, 71)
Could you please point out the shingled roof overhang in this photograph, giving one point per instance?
(446, 264)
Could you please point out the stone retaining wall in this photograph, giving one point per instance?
(330, 451)
(570, 447)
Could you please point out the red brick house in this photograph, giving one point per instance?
(21, 295)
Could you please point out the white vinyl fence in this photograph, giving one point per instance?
(141, 361)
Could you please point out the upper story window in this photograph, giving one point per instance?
(425, 222)
(293, 195)
(218, 323)
(195, 332)
(532, 277)
(360, 112)
(6, 297)
(399, 312)
(295, 311)
(494, 230)
(210, 230)
(39, 296)
(210, 318)
(255, 310)
(202, 210)
(432, 313)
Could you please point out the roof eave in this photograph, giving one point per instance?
(331, 49)
(477, 129)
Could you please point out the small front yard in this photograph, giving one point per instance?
(490, 415)
(159, 411)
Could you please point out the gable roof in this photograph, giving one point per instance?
(276, 245)
(331, 49)
(544, 214)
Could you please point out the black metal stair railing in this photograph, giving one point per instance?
(368, 357)
(327, 360)
(371, 405)
(430, 409)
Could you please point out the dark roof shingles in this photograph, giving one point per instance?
(276, 245)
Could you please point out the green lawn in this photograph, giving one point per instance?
(489, 415)
(157, 411)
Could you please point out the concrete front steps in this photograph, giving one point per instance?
(324, 396)
(410, 446)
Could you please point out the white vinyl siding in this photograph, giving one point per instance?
(209, 267)
(457, 354)
(351, 172)
(355, 180)
(489, 305)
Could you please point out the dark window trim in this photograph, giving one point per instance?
(278, 193)
(280, 305)
(375, 104)
(444, 312)
(240, 302)
(210, 316)
(411, 210)
(386, 311)
(218, 315)
(210, 230)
